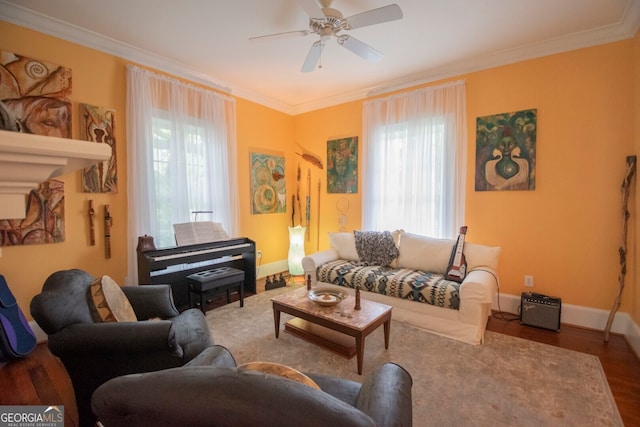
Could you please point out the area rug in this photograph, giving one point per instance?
(506, 381)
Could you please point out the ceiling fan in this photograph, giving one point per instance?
(327, 22)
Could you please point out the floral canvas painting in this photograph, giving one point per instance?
(342, 165)
(506, 151)
(268, 186)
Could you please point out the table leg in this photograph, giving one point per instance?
(360, 352)
(387, 331)
(276, 321)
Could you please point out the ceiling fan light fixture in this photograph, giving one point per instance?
(327, 22)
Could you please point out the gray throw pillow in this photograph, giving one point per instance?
(376, 247)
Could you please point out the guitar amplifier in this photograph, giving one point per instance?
(541, 311)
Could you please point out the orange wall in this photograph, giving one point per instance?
(264, 130)
(565, 233)
(312, 131)
(97, 79)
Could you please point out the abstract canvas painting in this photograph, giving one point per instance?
(268, 186)
(97, 124)
(342, 165)
(35, 97)
(506, 151)
(44, 221)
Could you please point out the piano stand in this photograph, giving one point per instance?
(173, 265)
(216, 281)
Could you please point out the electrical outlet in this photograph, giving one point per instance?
(259, 254)
(528, 281)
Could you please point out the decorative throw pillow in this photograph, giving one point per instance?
(280, 370)
(345, 244)
(481, 256)
(424, 253)
(110, 303)
(397, 235)
(376, 247)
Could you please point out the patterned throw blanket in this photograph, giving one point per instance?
(412, 285)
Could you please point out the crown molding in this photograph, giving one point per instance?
(626, 28)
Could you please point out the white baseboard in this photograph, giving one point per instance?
(272, 268)
(585, 317)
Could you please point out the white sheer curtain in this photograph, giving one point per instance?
(181, 149)
(414, 161)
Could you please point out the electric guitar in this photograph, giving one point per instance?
(457, 268)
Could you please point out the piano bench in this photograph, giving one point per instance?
(211, 282)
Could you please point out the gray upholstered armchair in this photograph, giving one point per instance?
(94, 352)
(211, 391)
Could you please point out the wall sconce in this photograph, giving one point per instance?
(296, 249)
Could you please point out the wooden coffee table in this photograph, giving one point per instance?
(332, 327)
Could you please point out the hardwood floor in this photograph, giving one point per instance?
(40, 378)
(619, 362)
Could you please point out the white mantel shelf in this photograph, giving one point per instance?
(26, 160)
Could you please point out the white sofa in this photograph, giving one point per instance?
(472, 300)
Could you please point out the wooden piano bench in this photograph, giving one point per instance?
(210, 282)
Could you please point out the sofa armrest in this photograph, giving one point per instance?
(150, 301)
(313, 261)
(114, 337)
(385, 396)
(479, 286)
(215, 356)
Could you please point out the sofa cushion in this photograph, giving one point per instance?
(376, 247)
(110, 303)
(345, 244)
(479, 256)
(412, 285)
(424, 253)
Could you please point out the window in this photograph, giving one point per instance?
(181, 158)
(414, 162)
(193, 159)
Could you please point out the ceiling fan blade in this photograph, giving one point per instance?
(361, 49)
(375, 16)
(312, 8)
(312, 57)
(276, 36)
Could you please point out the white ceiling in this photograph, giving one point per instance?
(207, 40)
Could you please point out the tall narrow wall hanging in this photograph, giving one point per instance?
(92, 224)
(308, 203)
(97, 124)
(506, 151)
(342, 165)
(108, 223)
(622, 251)
(268, 185)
